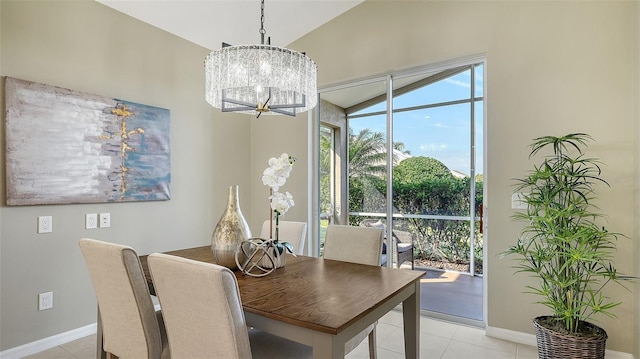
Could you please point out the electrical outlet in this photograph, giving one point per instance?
(91, 221)
(105, 220)
(45, 224)
(45, 300)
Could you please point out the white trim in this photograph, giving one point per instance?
(313, 183)
(530, 339)
(428, 68)
(48, 343)
(486, 179)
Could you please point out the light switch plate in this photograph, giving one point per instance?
(91, 221)
(517, 201)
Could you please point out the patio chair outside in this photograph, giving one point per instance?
(402, 242)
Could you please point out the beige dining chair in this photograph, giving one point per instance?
(288, 231)
(361, 245)
(203, 313)
(131, 328)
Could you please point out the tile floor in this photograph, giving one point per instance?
(438, 339)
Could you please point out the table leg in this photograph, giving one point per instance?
(327, 346)
(411, 319)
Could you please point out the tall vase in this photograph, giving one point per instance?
(230, 231)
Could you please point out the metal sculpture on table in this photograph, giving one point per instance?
(258, 257)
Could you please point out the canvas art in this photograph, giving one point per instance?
(65, 146)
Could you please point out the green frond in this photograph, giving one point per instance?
(561, 242)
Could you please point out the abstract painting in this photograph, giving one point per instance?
(65, 146)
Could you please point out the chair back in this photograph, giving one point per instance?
(361, 245)
(129, 324)
(201, 308)
(288, 231)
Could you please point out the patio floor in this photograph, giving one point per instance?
(451, 294)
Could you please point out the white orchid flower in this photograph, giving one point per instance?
(281, 202)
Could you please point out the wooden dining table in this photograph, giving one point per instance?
(323, 303)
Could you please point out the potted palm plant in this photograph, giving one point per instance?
(563, 246)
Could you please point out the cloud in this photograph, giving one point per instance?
(433, 147)
(434, 124)
(464, 84)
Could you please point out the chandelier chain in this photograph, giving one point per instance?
(262, 30)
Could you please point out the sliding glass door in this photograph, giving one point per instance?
(405, 151)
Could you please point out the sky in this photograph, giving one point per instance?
(440, 132)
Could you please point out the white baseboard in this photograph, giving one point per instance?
(62, 338)
(58, 339)
(530, 339)
(48, 343)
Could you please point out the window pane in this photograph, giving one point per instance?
(479, 128)
(441, 133)
(453, 88)
(367, 164)
(435, 181)
(378, 107)
(326, 174)
(445, 241)
(479, 77)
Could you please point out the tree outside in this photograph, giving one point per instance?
(421, 186)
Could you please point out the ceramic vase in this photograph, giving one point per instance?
(230, 231)
(278, 259)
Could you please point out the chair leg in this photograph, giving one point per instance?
(372, 344)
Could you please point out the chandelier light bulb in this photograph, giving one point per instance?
(260, 79)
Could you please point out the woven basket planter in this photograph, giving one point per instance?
(554, 345)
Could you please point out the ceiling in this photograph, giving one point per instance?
(208, 23)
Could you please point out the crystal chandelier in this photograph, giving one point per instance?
(260, 79)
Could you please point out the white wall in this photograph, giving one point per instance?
(86, 46)
(552, 68)
(271, 136)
